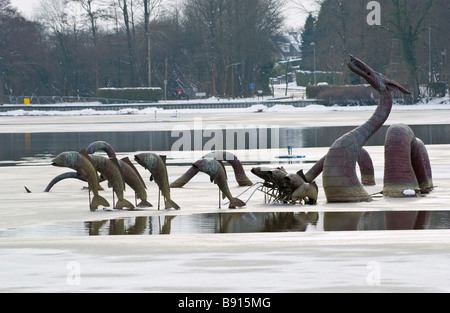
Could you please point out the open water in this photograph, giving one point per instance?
(17, 147)
(248, 222)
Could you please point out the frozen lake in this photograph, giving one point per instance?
(52, 242)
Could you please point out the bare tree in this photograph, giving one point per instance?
(123, 4)
(407, 30)
(147, 38)
(306, 7)
(94, 10)
(231, 42)
(24, 63)
(150, 6)
(62, 27)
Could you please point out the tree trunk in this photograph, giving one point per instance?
(92, 19)
(126, 19)
(408, 35)
(147, 36)
(1, 88)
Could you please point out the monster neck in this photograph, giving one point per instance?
(368, 129)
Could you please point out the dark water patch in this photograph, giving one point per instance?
(235, 223)
(18, 147)
(15, 147)
(325, 136)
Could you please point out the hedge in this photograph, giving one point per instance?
(344, 95)
(133, 94)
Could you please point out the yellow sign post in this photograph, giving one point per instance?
(26, 101)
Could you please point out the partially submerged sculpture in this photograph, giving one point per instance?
(110, 169)
(239, 172)
(407, 164)
(407, 169)
(134, 180)
(282, 187)
(340, 181)
(63, 176)
(216, 172)
(80, 162)
(130, 174)
(365, 166)
(157, 167)
(103, 146)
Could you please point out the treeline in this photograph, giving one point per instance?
(74, 47)
(400, 47)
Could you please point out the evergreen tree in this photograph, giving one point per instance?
(308, 38)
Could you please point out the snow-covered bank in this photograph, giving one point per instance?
(433, 104)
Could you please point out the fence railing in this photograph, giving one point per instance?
(42, 100)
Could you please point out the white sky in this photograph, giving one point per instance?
(25, 6)
(295, 17)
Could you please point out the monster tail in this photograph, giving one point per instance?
(121, 204)
(172, 205)
(99, 201)
(236, 203)
(145, 204)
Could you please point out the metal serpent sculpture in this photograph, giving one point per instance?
(340, 181)
(239, 172)
(407, 169)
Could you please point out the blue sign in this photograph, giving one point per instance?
(252, 86)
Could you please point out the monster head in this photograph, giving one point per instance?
(376, 80)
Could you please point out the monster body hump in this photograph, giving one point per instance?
(407, 164)
(340, 181)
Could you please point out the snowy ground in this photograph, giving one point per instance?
(434, 112)
(294, 92)
(380, 261)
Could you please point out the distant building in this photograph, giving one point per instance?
(289, 45)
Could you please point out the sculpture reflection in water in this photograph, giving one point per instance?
(216, 223)
(366, 221)
(141, 225)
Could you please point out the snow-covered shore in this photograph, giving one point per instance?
(432, 104)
